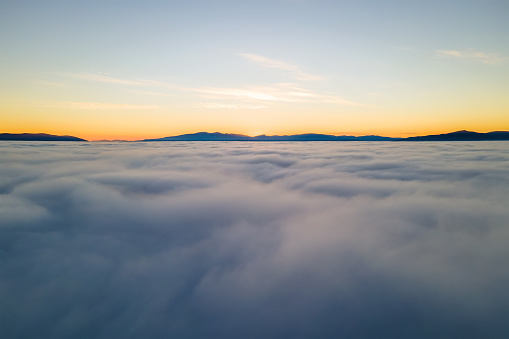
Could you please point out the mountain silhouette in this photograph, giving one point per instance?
(204, 136)
(454, 136)
(462, 136)
(38, 137)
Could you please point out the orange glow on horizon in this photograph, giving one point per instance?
(136, 136)
(117, 125)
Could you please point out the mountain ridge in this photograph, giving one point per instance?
(462, 135)
(38, 137)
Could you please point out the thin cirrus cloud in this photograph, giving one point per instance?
(294, 70)
(284, 92)
(243, 96)
(487, 58)
(49, 83)
(218, 105)
(97, 77)
(150, 93)
(102, 106)
(105, 78)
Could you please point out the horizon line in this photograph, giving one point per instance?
(357, 137)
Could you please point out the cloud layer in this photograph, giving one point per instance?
(254, 240)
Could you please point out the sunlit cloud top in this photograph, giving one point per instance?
(254, 240)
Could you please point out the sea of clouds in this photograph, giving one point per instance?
(254, 240)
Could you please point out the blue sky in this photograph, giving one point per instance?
(155, 68)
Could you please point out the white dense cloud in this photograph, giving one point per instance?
(254, 240)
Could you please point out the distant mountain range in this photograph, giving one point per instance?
(205, 136)
(462, 136)
(38, 137)
(454, 136)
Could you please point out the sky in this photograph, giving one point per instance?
(147, 69)
(254, 240)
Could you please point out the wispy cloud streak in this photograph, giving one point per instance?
(105, 78)
(487, 58)
(102, 106)
(294, 70)
(217, 105)
(281, 92)
(289, 93)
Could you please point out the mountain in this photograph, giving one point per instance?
(38, 137)
(318, 137)
(204, 136)
(462, 136)
(454, 136)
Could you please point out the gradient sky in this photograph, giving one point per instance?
(145, 69)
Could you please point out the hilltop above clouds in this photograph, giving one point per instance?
(37, 137)
(454, 136)
(205, 136)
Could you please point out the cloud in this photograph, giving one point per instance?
(486, 58)
(253, 94)
(49, 83)
(97, 77)
(102, 106)
(193, 240)
(290, 68)
(150, 93)
(282, 92)
(217, 105)
(105, 78)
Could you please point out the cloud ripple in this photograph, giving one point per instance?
(254, 240)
